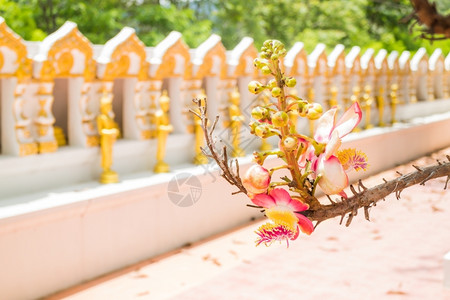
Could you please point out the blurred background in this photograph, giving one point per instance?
(367, 23)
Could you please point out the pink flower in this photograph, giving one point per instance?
(256, 180)
(285, 214)
(333, 178)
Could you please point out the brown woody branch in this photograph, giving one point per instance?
(230, 174)
(426, 14)
(366, 198)
(363, 198)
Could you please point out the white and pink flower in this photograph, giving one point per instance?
(285, 216)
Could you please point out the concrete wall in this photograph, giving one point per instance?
(52, 240)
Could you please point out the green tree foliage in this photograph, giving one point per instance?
(366, 23)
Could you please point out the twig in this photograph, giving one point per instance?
(370, 196)
(226, 166)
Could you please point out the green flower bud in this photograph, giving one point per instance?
(276, 91)
(290, 82)
(261, 131)
(253, 126)
(255, 87)
(302, 108)
(290, 143)
(272, 83)
(282, 53)
(280, 119)
(268, 44)
(260, 62)
(276, 44)
(314, 111)
(259, 113)
(274, 56)
(266, 70)
(264, 55)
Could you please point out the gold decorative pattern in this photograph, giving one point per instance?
(120, 59)
(301, 56)
(48, 147)
(28, 149)
(208, 62)
(167, 67)
(241, 68)
(92, 141)
(60, 59)
(11, 40)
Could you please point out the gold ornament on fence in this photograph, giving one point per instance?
(366, 105)
(380, 106)
(163, 128)
(394, 102)
(236, 119)
(333, 97)
(199, 158)
(109, 132)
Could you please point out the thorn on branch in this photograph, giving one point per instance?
(446, 182)
(329, 198)
(349, 219)
(385, 181)
(366, 213)
(353, 190)
(399, 173)
(360, 184)
(342, 218)
(417, 168)
(317, 224)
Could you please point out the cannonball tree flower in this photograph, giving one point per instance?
(256, 180)
(333, 178)
(284, 214)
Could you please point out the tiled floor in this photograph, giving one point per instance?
(398, 255)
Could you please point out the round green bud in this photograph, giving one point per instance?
(264, 55)
(261, 131)
(302, 108)
(290, 143)
(280, 119)
(260, 62)
(272, 83)
(314, 111)
(266, 70)
(290, 82)
(259, 113)
(255, 87)
(276, 91)
(282, 53)
(268, 44)
(274, 56)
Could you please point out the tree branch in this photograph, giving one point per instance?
(226, 166)
(427, 14)
(367, 198)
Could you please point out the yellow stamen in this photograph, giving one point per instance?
(282, 217)
(353, 159)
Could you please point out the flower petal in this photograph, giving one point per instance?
(349, 120)
(306, 226)
(280, 196)
(297, 205)
(263, 200)
(333, 145)
(333, 177)
(324, 126)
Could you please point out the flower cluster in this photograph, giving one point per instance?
(311, 161)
